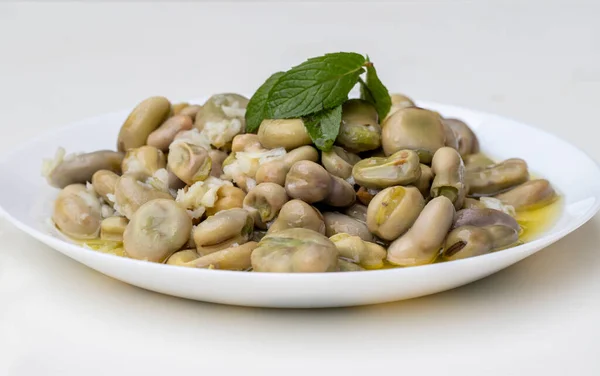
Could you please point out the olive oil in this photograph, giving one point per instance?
(99, 245)
(105, 246)
(536, 221)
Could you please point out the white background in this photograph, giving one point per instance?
(537, 61)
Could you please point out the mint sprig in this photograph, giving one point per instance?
(317, 84)
(324, 126)
(315, 91)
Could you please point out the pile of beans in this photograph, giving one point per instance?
(187, 186)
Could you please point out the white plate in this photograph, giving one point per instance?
(27, 201)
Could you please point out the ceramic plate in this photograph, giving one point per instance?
(27, 203)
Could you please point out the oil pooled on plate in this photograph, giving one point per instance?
(536, 221)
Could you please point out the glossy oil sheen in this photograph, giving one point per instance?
(534, 222)
(27, 202)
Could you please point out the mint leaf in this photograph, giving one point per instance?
(323, 127)
(317, 84)
(375, 92)
(365, 93)
(256, 108)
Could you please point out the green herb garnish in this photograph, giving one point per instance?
(256, 111)
(323, 127)
(315, 91)
(374, 91)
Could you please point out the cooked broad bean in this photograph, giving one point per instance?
(473, 203)
(393, 211)
(77, 212)
(423, 184)
(222, 230)
(308, 181)
(189, 162)
(478, 231)
(104, 182)
(231, 242)
(347, 266)
(469, 241)
(423, 241)
(400, 168)
(338, 162)
(399, 101)
(164, 135)
(358, 212)
(286, 133)
(476, 161)
(246, 142)
(451, 139)
(341, 193)
(466, 138)
(131, 193)
(236, 257)
(491, 180)
(177, 107)
(228, 197)
(303, 153)
(272, 172)
(298, 214)
(276, 171)
(336, 223)
(156, 230)
(191, 111)
(360, 130)
(142, 121)
(413, 128)
(449, 171)
(264, 202)
(366, 254)
(503, 236)
(484, 217)
(79, 168)
(173, 181)
(295, 250)
(217, 157)
(528, 195)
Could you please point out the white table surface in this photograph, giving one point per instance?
(538, 62)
